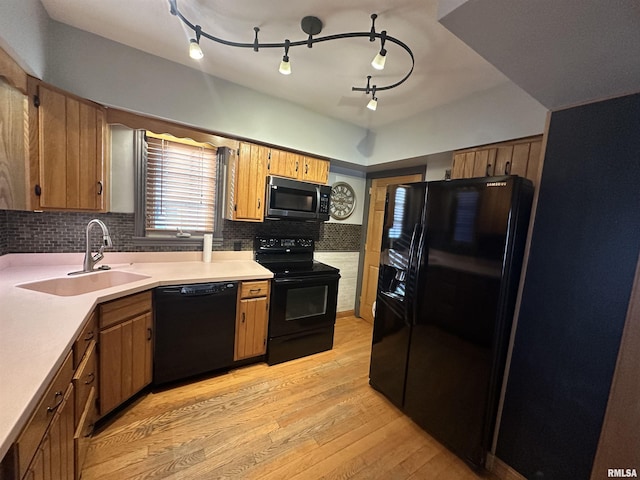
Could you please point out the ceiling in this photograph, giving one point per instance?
(446, 70)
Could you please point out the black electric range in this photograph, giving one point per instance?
(304, 296)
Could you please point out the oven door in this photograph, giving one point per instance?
(302, 303)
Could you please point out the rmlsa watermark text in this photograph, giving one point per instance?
(622, 473)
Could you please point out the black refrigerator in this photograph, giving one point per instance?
(450, 264)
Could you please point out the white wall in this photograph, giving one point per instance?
(358, 181)
(502, 113)
(24, 30)
(122, 170)
(347, 262)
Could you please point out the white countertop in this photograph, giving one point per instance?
(38, 329)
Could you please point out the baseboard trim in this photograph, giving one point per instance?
(501, 470)
(346, 313)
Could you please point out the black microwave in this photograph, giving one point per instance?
(288, 199)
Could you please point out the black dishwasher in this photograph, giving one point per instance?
(194, 329)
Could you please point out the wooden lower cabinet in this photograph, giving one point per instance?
(55, 456)
(252, 320)
(125, 360)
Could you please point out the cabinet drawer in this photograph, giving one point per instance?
(88, 334)
(125, 308)
(85, 379)
(32, 434)
(82, 436)
(254, 289)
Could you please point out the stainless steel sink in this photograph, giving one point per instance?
(77, 285)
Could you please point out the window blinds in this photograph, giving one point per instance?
(180, 185)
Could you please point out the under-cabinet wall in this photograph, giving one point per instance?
(347, 262)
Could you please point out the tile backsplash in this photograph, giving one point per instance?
(57, 232)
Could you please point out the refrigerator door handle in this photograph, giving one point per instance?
(409, 294)
(419, 268)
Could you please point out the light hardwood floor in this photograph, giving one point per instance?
(315, 417)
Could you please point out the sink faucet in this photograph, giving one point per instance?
(90, 259)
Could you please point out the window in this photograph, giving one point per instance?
(398, 212)
(179, 191)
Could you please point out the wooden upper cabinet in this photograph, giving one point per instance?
(463, 165)
(315, 170)
(283, 164)
(517, 157)
(300, 167)
(67, 150)
(250, 182)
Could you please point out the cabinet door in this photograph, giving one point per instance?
(484, 163)
(250, 182)
(282, 164)
(519, 159)
(52, 134)
(142, 367)
(54, 458)
(111, 368)
(315, 170)
(251, 328)
(504, 155)
(533, 164)
(70, 152)
(125, 361)
(463, 164)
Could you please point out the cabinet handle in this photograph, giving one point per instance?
(55, 407)
(242, 317)
(507, 168)
(100, 187)
(90, 378)
(487, 172)
(258, 204)
(89, 337)
(149, 334)
(255, 290)
(296, 166)
(306, 168)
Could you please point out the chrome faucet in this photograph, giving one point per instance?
(90, 259)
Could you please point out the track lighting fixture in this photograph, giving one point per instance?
(312, 26)
(195, 51)
(285, 65)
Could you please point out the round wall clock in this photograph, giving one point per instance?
(343, 200)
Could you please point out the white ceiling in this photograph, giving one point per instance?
(446, 69)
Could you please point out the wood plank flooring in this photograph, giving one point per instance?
(311, 418)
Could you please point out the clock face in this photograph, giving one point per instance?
(343, 200)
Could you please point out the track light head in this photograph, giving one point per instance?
(195, 51)
(380, 59)
(373, 103)
(285, 65)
